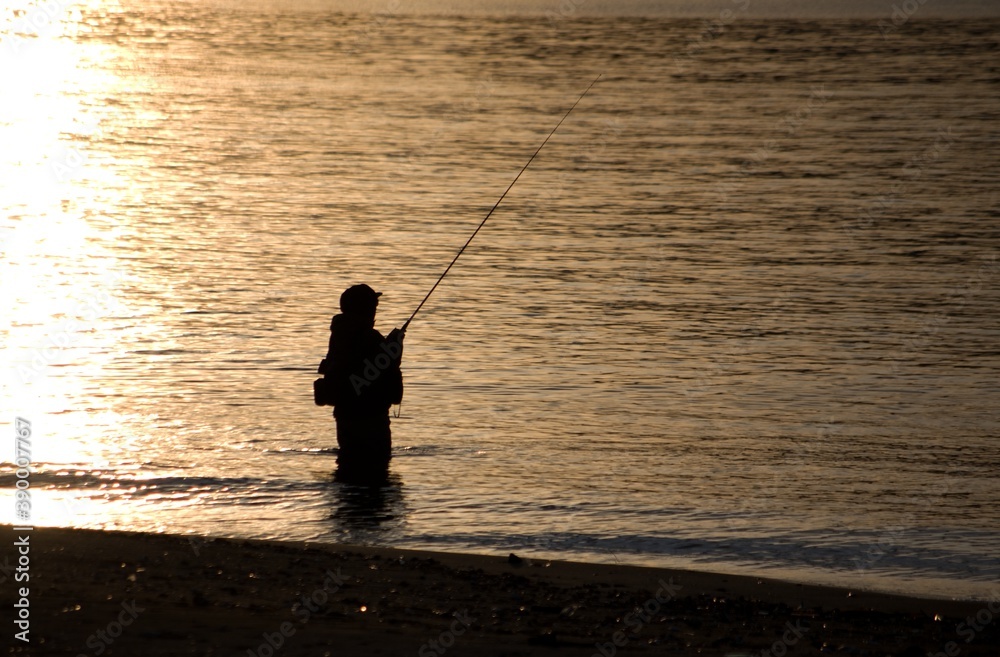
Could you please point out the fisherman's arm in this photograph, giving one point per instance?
(393, 345)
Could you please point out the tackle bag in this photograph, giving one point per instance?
(324, 391)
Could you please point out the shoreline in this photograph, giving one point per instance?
(99, 592)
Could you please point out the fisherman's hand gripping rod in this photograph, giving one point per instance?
(495, 205)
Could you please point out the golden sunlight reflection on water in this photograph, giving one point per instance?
(57, 277)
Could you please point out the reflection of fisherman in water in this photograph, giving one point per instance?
(362, 370)
(363, 513)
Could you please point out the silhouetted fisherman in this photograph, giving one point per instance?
(362, 369)
(361, 377)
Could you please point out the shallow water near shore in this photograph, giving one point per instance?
(738, 316)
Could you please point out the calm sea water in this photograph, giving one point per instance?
(740, 315)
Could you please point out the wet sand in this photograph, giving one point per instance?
(145, 595)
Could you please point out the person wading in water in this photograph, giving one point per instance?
(361, 376)
(363, 379)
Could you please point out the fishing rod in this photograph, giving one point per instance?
(497, 204)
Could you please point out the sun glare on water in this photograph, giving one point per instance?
(57, 278)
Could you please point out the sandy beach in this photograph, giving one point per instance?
(117, 593)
